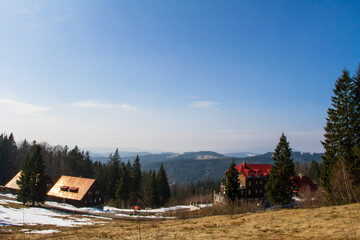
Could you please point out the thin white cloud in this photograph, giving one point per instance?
(126, 106)
(96, 104)
(19, 108)
(92, 104)
(204, 104)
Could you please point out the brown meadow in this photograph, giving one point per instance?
(334, 222)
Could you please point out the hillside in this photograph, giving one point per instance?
(188, 170)
(200, 166)
(335, 222)
(203, 165)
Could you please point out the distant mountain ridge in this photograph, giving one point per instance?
(199, 166)
(241, 154)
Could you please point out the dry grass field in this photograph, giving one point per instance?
(335, 222)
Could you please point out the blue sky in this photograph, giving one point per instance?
(173, 75)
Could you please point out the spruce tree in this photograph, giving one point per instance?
(355, 121)
(232, 183)
(113, 166)
(23, 194)
(32, 181)
(163, 186)
(339, 130)
(280, 185)
(137, 181)
(154, 191)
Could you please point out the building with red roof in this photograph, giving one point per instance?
(252, 179)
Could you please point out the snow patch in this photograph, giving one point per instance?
(44, 231)
(34, 215)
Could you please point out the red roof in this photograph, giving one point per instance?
(303, 181)
(256, 170)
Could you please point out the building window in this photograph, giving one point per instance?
(260, 191)
(256, 182)
(240, 183)
(99, 199)
(260, 182)
(95, 200)
(249, 192)
(249, 183)
(256, 191)
(85, 201)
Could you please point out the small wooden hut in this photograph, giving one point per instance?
(77, 191)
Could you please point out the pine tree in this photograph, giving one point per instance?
(339, 130)
(355, 122)
(232, 183)
(32, 181)
(163, 186)
(23, 194)
(136, 182)
(280, 185)
(154, 191)
(113, 166)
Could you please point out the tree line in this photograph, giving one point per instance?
(124, 184)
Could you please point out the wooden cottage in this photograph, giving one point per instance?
(77, 191)
(12, 186)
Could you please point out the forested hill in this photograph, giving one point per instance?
(198, 166)
(187, 170)
(181, 168)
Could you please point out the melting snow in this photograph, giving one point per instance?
(35, 215)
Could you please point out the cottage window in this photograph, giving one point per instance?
(74, 189)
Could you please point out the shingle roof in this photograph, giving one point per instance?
(12, 183)
(83, 185)
(254, 169)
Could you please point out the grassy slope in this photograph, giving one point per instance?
(336, 222)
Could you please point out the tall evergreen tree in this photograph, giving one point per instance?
(154, 191)
(23, 194)
(339, 130)
(113, 173)
(137, 181)
(33, 182)
(163, 186)
(280, 184)
(355, 122)
(232, 183)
